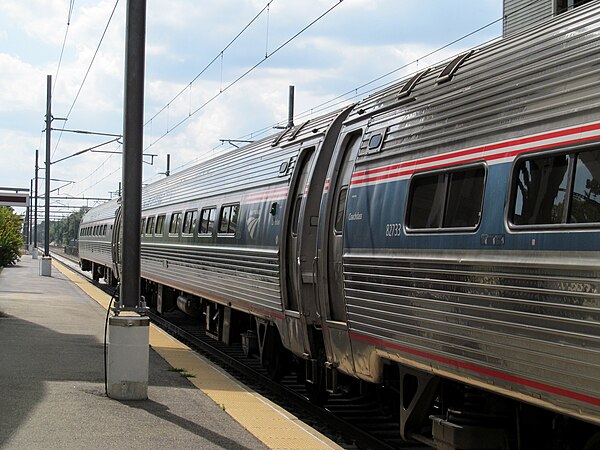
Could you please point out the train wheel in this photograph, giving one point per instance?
(593, 443)
(274, 356)
(315, 389)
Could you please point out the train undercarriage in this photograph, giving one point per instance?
(442, 413)
(439, 412)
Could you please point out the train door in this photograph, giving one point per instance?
(292, 255)
(336, 232)
(116, 240)
(331, 249)
(293, 262)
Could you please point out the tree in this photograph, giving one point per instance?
(11, 239)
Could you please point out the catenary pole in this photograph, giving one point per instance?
(133, 124)
(35, 232)
(30, 215)
(128, 337)
(47, 196)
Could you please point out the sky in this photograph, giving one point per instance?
(190, 104)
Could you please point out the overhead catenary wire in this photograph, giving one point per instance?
(219, 55)
(243, 75)
(62, 50)
(339, 99)
(87, 72)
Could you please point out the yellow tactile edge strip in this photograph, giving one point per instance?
(275, 427)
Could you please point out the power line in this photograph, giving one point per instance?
(71, 5)
(329, 104)
(219, 55)
(341, 98)
(87, 72)
(251, 69)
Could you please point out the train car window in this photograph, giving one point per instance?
(296, 215)
(564, 5)
(175, 223)
(207, 220)
(228, 219)
(143, 226)
(446, 200)
(189, 222)
(465, 192)
(150, 226)
(340, 210)
(556, 189)
(426, 201)
(160, 223)
(585, 198)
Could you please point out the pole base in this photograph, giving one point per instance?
(34, 253)
(46, 266)
(128, 357)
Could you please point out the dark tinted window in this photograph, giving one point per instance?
(189, 222)
(341, 210)
(427, 201)
(229, 218)
(585, 200)
(541, 186)
(150, 225)
(557, 189)
(465, 192)
(174, 224)
(565, 5)
(446, 200)
(207, 220)
(160, 223)
(296, 215)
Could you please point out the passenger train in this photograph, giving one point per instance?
(436, 244)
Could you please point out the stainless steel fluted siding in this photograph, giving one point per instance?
(537, 81)
(95, 249)
(103, 212)
(522, 14)
(250, 167)
(536, 320)
(217, 273)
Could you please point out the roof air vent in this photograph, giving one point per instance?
(452, 67)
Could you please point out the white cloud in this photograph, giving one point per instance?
(359, 41)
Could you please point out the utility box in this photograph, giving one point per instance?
(128, 353)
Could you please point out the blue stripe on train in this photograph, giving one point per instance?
(375, 219)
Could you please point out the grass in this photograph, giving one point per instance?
(182, 372)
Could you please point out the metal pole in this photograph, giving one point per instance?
(30, 214)
(168, 172)
(290, 123)
(133, 133)
(47, 196)
(35, 233)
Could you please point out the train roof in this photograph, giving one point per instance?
(105, 211)
(531, 82)
(251, 166)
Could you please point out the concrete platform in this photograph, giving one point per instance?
(52, 381)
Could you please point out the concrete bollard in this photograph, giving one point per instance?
(128, 357)
(46, 266)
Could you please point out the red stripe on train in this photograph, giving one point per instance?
(478, 369)
(393, 171)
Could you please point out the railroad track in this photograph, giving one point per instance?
(354, 421)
